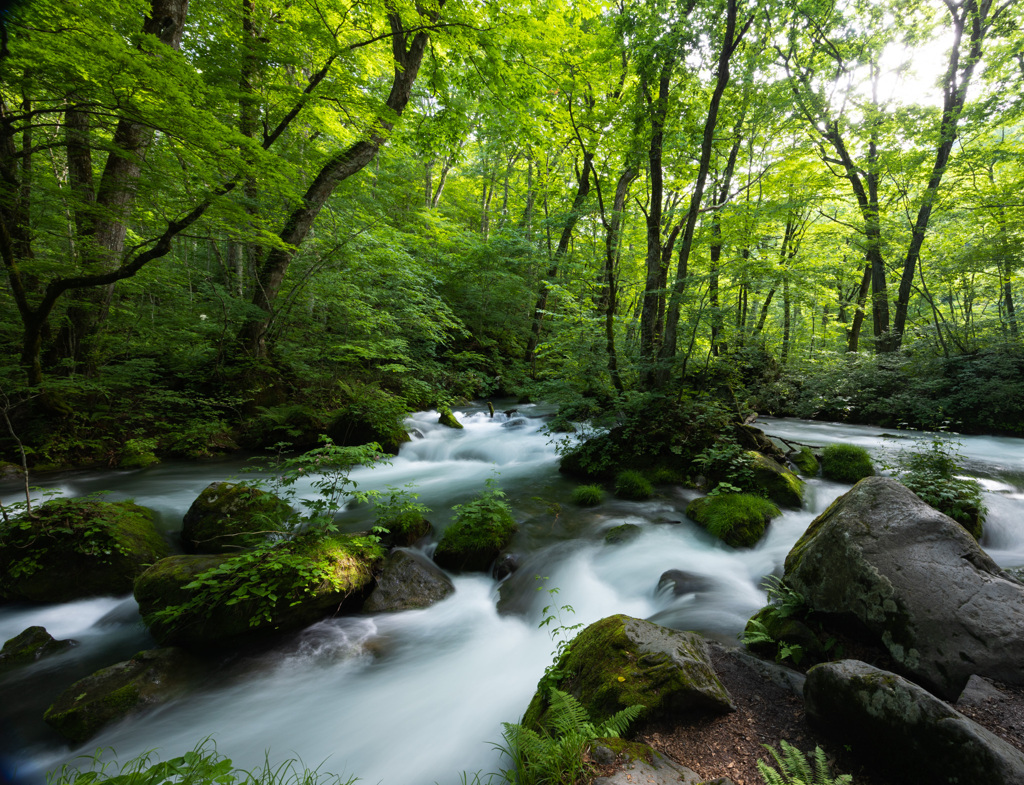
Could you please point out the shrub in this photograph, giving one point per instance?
(479, 531)
(846, 463)
(633, 485)
(587, 495)
(931, 473)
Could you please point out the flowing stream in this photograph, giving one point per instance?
(417, 697)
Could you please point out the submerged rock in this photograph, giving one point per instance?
(73, 548)
(624, 532)
(149, 678)
(30, 645)
(407, 581)
(255, 594)
(680, 582)
(621, 661)
(227, 516)
(917, 581)
(904, 728)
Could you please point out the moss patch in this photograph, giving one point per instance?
(227, 516)
(76, 548)
(621, 661)
(775, 481)
(738, 519)
(806, 462)
(846, 463)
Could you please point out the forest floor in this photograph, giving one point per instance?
(766, 713)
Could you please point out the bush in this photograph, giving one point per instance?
(587, 495)
(633, 485)
(846, 463)
(481, 528)
(932, 474)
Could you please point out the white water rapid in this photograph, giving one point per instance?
(415, 698)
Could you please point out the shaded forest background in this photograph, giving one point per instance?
(228, 224)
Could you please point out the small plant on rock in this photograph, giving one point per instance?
(587, 495)
(633, 485)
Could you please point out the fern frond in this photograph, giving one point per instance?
(565, 713)
(794, 768)
(619, 722)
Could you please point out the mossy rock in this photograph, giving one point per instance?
(30, 645)
(738, 519)
(777, 482)
(846, 463)
(448, 419)
(473, 542)
(149, 678)
(625, 532)
(285, 587)
(621, 661)
(406, 528)
(73, 548)
(806, 462)
(226, 516)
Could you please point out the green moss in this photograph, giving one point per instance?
(587, 495)
(738, 519)
(447, 418)
(620, 661)
(482, 528)
(227, 516)
(622, 533)
(806, 462)
(77, 548)
(846, 463)
(632, 485)
(775, 481)
(30, 645)
(189, 600)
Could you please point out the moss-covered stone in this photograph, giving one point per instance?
(777, 482)
(475, 538)
(621, 661)
(448, 419)
(738, 519)
(846, 463)
(805, 460)
(406, 528)
(622, 533)
(149, 678)
(30, 645)
(74, 548)
(226, 516)
(287, 586)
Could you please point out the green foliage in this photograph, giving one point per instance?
(479, 530)
(399, 514)
(633, 485)
(795, 769)
(784, 603)
(202, 765)
(727, 465)
(846, 463)
(932, 473)
(556, 754)
(587, 495)
(561, 633)
(738, 519)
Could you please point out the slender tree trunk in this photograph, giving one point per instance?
(613, 238)
(582, 191)
(408, 54)
(853, 331)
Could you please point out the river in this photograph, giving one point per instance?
(417, 697)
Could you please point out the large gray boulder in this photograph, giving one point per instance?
(407, 581)
(915, 579)
(905, 729)
(621, 661)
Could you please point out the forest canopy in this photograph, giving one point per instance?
(224, 224)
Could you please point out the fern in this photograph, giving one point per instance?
(795, 769)
(555, 755)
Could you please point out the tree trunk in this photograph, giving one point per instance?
(407, 56)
